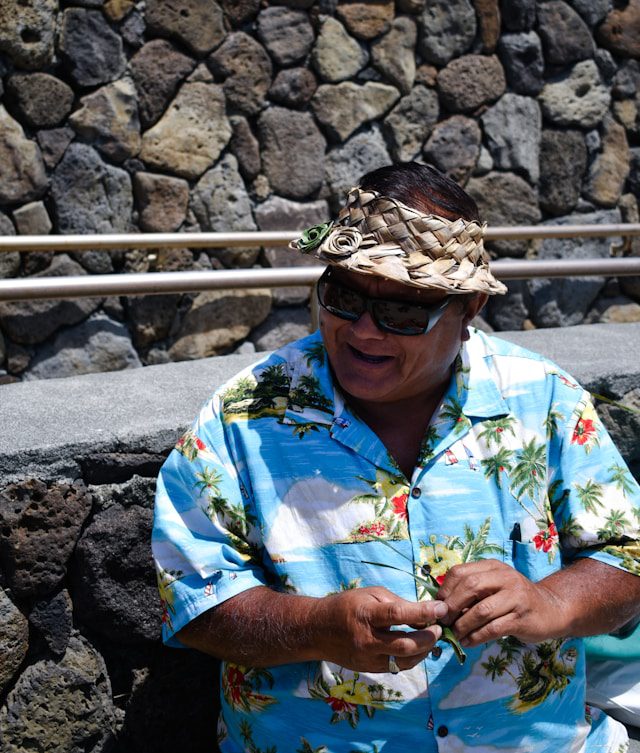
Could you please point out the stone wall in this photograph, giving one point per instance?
(213, 115)
(82, 669)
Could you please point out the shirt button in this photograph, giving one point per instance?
(442, 731)
(416, 492)
(436, 652)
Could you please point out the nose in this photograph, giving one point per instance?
(366, 329)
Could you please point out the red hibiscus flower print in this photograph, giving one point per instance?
(585, 431)
(338, 705)
(399, 503)
(547, 538)
(235, 680)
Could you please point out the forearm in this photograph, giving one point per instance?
(353, 628)
(594, 597)
(257, 628)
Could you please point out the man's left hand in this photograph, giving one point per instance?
(488, 599)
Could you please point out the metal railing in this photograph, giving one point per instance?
(154, 283)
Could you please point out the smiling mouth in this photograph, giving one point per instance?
(367, 358)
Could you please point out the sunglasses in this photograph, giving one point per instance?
(397, 317)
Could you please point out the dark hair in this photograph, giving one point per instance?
(422, 187)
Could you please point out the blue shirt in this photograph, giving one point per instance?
(278, 483)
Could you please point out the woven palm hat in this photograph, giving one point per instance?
(374, 234)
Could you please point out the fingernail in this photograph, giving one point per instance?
(440, 609)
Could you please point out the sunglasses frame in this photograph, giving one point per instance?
(433, 311)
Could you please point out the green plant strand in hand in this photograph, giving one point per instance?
(431, 586)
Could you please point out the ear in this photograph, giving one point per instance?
(474, 307)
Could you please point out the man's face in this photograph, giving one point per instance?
(375, 367)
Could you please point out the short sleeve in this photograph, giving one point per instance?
(205, 545)
(596, 500)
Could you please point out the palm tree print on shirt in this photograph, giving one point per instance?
(537, 671)
(346, 696)
(389, 498)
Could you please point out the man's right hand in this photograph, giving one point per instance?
(359, 634)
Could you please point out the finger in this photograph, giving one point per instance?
(492, 631)
(482, 614)
(407, 643)
(401, 612)
(472, 587)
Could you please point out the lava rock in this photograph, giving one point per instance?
(32, 219)
(337, 56)
(608, 172)
(239, 12)
(471, 81)
(454, 146)
(293, 87)
(518, 15)
(41, 99)
(192, 133)
(284, 325)
(53, 144)
(198, 24)
(565, 37)
(52, 617)
(410, 123)
(394, 54)
(162, 202)
(366, 20)
(620, 31)
(39, 526)
(293, 171)
(448, 30)
(27, 32)
(22, 171)
(286, 34)
(157, 70)
(488, 12)
(245, 147)
(14, 639)
(91, 47)
(577, 98)
(592, 11)
(245, 67)
(521, 56)
(563, 162)
(9, 260)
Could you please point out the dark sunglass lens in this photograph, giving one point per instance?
(340, 301)
(403, 318)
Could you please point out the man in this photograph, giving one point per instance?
(326, 495)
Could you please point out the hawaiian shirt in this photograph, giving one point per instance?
(279, 483)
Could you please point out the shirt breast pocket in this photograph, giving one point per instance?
(530, 560)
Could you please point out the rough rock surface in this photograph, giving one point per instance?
(96, 345)
(108, 119)
(27, 32)
(32, 219)
(454, 146)
(151, 317)
(292, 172)
(60, 705)
(239, 12)
(287, 34)
(293, 87)
(577, 98)
(337, 56)
(410, 122)
(53, 144)
(90, 196)
(563, 302)
(608, 172)
(521, 56)
(114, 585)
(471, 81)
(39, 526)
(563, 161)
(9, 260)
(189, 137)
(518, 15)
(42, 100)
(488, 12)
(565, 37)
(277, 213)
(505, 199)
(281, 327)
(620, 31)
(593, 11)
(91, 47)
(22, 171)
(512, 132)
(157, 70)
(366, 19)
(14, 639)
(245, 147)
(31, 322)
(53, 619)
(218, 320)
(343, 108)
(345, 164)
(161, 200)
(220, 203)
(448, 30)
(246, 69)
(394, 54)
(198, 24)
